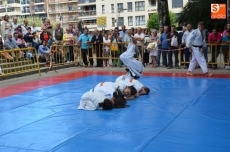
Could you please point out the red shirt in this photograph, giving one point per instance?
(46, 37)
(214, 38)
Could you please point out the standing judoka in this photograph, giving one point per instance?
(1, 71)
(196, 41)
(135, 67)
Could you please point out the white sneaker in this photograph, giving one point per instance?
(227, 67)
(67, 61)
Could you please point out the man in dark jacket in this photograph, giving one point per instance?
(97, 41)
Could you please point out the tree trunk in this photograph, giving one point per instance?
(228, 11)
(163, 13)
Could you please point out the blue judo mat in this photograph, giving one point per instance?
(179, 115)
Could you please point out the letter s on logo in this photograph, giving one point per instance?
(215, 8)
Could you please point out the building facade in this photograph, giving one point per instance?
(132, 13)
(10, 7)
(63, 11)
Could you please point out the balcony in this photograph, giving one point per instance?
(88, 13)
(25, 2)
(64, 10)
(70, 19)
(38, 1)
(39, 11)
(86, 2)
(25, 11)
(62, 1)
(90, 24)
(13, 1)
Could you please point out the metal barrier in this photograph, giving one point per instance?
(19, 61)
(107, 54)
(215, 51)
(64, 54)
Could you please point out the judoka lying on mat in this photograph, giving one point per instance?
(141, 89)
(95, 99)
(107, 88)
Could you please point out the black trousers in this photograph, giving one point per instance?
(99, 55)
(187, 55)
(170, 61)
(84, 53)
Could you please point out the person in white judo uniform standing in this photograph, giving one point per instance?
(134, 67)
(196, 41)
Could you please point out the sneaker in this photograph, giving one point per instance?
(227, 67)
(68, 62)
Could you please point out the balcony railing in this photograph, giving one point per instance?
(86, 1)
(25, 2)
(25, 11)
(87, 13)
(39, 10)
(13, 1)
(64, 10)
(38, 1)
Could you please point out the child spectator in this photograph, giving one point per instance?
(20, 41)
(106, 51)
(50, 41)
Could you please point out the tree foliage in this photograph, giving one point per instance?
(153, 20)
(200, 10)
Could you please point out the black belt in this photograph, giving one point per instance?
(197, 46)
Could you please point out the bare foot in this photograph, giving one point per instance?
(189, 73)
(207, 74)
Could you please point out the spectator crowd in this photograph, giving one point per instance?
(164, 51)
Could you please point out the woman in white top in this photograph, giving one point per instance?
(153, 47)
(106, 51)
(6, 27)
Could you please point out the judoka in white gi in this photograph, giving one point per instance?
(195, 42)
(94, 100)
(135, 67)
(0, 70)
(108, 89)
(141, 89)
(111, 91)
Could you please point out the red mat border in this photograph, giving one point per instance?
(28, 86)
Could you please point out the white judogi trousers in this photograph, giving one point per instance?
(135, 66)
(197, 57)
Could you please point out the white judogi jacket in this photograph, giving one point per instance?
(106, 88)
(129, 82)
(90, 100)
(195, 38)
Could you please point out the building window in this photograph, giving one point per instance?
(177, 3)
(130, 21)
(120, 7)
(113, 22)
(140, 6)
(103, 9)
(112, 8)
(152, 3)
(140, 20)
(130, 6)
